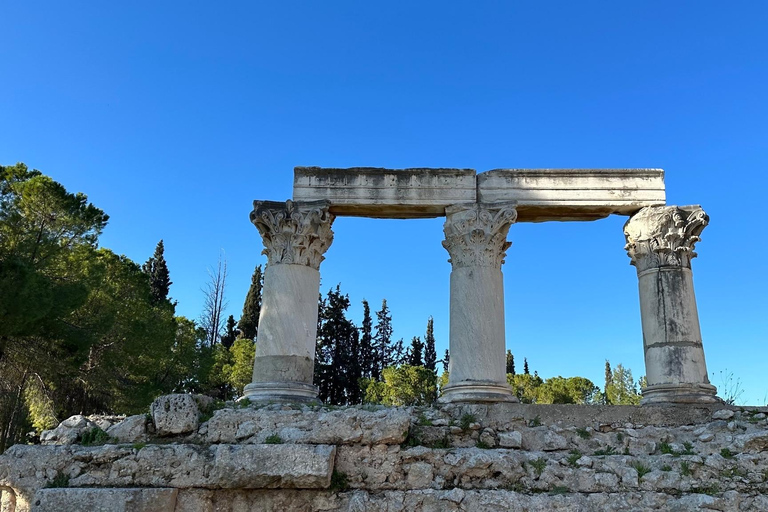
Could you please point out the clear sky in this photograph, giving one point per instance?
(174, 116)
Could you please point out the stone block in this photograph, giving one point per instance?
(572, 194)
(131, 430)
(105, 500)
(385, 193)
(175, 414)
(68, 431)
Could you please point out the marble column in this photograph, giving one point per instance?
(295, 236)
(660, 242)
(476, 239)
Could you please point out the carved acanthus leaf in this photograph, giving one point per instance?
(476, 234)
(664, 236)
(295, 233)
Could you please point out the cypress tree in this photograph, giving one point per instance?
(608, 381)
(366, 342)
(159, 277)
(249, 321)
(413, 357)
(230, 332)
(446, 360)
(430, 354)
(382, 340)
(510, 362)
(525, 366)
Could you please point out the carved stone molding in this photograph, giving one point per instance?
(295, 233)
(476, 234)
(664, 236)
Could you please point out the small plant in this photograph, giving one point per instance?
(243, 403)
(482, 445)
(94, 437)
(412, 438)
(583, 433)
(726, 453)
(441, 444)
(608, 450)
(466, 420)
(559, 489)
(626, 450)
(685, 468)
(273, 439)
(535, 422)
(619, 437)
(688, 449)
(339, 481)
(573, 458)
(138, 446)
(711, 490)
(539, 465)
(666, 448)
(666, 467)
(641, 469)
(59, 481)
(424, 421)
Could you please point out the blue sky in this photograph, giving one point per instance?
(174, 116)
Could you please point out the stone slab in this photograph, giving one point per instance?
(385, 193)
(572, 194)
(105, 500)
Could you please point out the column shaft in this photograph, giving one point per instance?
(295, 237)
(660, 241)
(476, 240)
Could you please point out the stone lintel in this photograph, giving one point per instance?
(541, 194)
(386, 193)
(572, 194)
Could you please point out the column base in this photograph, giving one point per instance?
(281, 392)
(477, 391)
(660, 394)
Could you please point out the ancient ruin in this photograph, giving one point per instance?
(479, 211)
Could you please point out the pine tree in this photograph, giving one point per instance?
(510, 363)
(382, 341)
(230, 332)
(249, 321)
(159, 277)
(446, 360)
(413, 356)
(525, 366)
(430, 354)
(366, 342)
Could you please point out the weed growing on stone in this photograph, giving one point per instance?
(727, 454)
(539, 465)
(412, 438)
(710, 490)
(608, 450)
(273, 439)
(466, 420)
(685, 468)
(138, 446)
(535, 422)
(243, 403)
(641, 469)
(688, 449)
(94, 437)
(424, 421)
(339, 481)
(732, 472)
(482, 445)
(559, 489)
(573, 458)
(59, 481)
(626, 450)
(583, 433)
(666, 467)
(619, 437)
(666, 448)
(442, 444)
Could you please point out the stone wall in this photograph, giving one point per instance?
(186, 457)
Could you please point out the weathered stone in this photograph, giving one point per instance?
(132, 429)
(722, 414)
(510, 439)
(175, 414)
(69, 431)
(418, 475)
(105, 500)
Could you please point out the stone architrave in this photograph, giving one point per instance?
(660, 243)
(295, 236)
(476, 239)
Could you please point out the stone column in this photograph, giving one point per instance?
(476, 239)
(295, 235)
(660, 242)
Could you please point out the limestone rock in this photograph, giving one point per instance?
(105, 500)
(175, 414)
(723, 414)
(68, 431)
(131, 430)
(510, 439)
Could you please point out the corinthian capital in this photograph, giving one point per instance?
(296, 233)
(664, 236)
(476, 234)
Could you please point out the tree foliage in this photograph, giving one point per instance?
(249, 321)
(159, 277)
